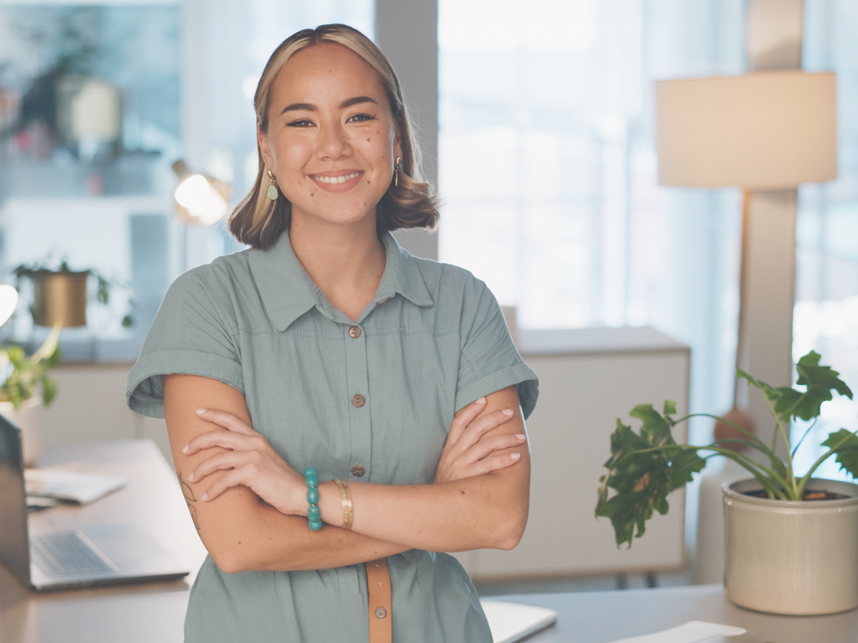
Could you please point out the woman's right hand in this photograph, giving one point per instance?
(468, 451)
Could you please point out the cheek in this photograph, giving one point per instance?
(290, 155)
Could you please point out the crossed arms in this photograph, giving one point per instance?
(250, 506)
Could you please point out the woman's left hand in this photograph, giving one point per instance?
(250, 461)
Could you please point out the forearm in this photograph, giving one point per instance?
(474, 513)
(263, 539)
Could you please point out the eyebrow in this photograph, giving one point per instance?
(307, 107)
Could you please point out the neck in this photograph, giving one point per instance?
(345, 262)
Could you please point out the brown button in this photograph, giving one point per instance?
(354, 332)
(358, 471)
(358, 400)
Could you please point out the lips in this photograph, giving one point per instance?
(337, 181)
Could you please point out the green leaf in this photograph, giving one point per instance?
(49, 391)
(819, 382)
(643, 469)
(847, 453)
(103, 293)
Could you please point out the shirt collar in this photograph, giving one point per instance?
(288, 292)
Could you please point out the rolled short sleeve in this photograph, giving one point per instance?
(489, 360)
(193, 334)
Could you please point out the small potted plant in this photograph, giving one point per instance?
(60, 294)
(791, 541)
(25, 386)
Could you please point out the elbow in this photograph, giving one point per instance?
(509, 539)
(228, 562)
(509, 531)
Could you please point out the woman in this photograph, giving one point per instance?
(328, 346)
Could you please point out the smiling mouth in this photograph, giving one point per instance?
(337, 179)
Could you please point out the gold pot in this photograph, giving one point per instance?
(59, 298)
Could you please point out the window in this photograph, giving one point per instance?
(826, 310)
(548, 173)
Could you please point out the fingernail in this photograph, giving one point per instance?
(482, 400)
(521, 436)
(205, 496)
(201, 411)
(191, 477)
(185, 448)
(507, 412)
(514, 456)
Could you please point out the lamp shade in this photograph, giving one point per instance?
(761, 131)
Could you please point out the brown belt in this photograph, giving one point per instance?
(380, 613)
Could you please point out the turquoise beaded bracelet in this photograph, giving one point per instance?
(313, 515)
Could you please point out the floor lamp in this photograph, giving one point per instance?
(760, 131)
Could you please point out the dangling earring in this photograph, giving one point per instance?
(396, 171)
(272, 188)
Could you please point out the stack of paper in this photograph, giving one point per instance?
(49, 487)
(512, 622)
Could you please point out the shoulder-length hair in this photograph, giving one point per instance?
(258, 221)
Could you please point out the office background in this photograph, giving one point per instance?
(537, 119)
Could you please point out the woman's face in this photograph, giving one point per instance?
(332, 140)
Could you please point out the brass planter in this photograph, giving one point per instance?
(59, 298)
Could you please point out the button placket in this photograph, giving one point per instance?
(360, 420)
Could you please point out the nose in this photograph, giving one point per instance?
(333, 142)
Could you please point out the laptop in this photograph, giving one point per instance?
(110, 554)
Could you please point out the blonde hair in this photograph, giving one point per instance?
(258, 221)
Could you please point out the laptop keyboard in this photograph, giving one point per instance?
(65, 552)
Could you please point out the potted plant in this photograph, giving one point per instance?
(791, 541)
(60, 294)
(25, 386)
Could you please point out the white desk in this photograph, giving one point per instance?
(600, 617)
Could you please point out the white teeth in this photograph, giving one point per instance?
(337, 179)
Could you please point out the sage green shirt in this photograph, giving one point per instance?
(368, 401)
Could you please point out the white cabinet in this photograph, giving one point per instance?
(588, 379)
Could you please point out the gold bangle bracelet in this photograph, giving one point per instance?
(348, 508)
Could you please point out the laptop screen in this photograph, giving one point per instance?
(14, 542)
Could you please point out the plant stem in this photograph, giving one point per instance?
(761, 446)
(793, 486)
(803, 437)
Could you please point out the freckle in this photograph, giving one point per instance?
(369, 182)
(463, 493)
(312, 194)
(367, 140)
(239, 542)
